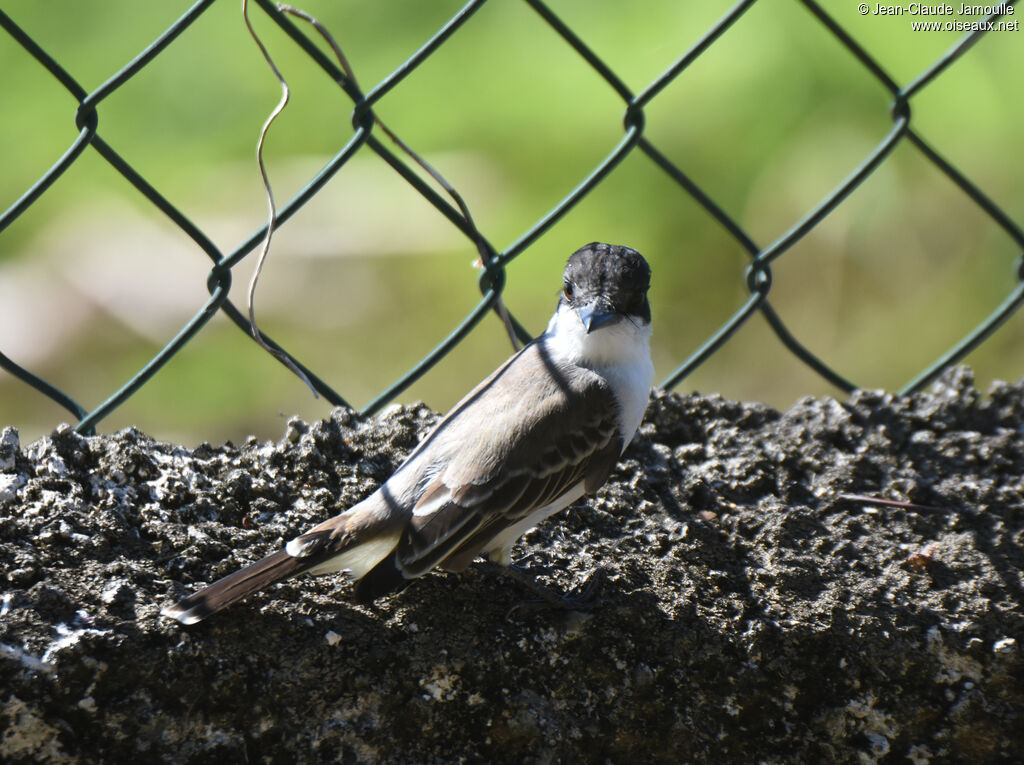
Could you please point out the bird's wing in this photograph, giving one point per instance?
(556, 430)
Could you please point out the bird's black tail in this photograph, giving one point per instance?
(234, 587)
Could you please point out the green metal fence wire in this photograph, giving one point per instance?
(493, 277)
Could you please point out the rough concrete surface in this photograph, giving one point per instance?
(750, 612)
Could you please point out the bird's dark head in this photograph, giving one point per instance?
(606, 283)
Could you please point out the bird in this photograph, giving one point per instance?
(546, 428)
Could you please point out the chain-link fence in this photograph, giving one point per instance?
(371, 137)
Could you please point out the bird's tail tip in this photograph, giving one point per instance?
(184, 612)
(234, 587)
(314, 558)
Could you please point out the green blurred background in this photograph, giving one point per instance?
(368, 277)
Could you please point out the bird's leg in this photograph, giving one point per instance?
(586, 598)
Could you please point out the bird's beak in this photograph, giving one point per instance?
(594, 315)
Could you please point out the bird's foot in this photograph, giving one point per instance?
(584, 598)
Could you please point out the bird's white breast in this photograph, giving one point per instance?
(620, 353)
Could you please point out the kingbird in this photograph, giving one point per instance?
(544, 429)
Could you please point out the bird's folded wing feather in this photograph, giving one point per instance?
(556, 430)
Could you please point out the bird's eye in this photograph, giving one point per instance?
(567, 290)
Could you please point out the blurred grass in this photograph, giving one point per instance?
(367, 278)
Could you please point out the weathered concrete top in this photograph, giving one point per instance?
(750, 612)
